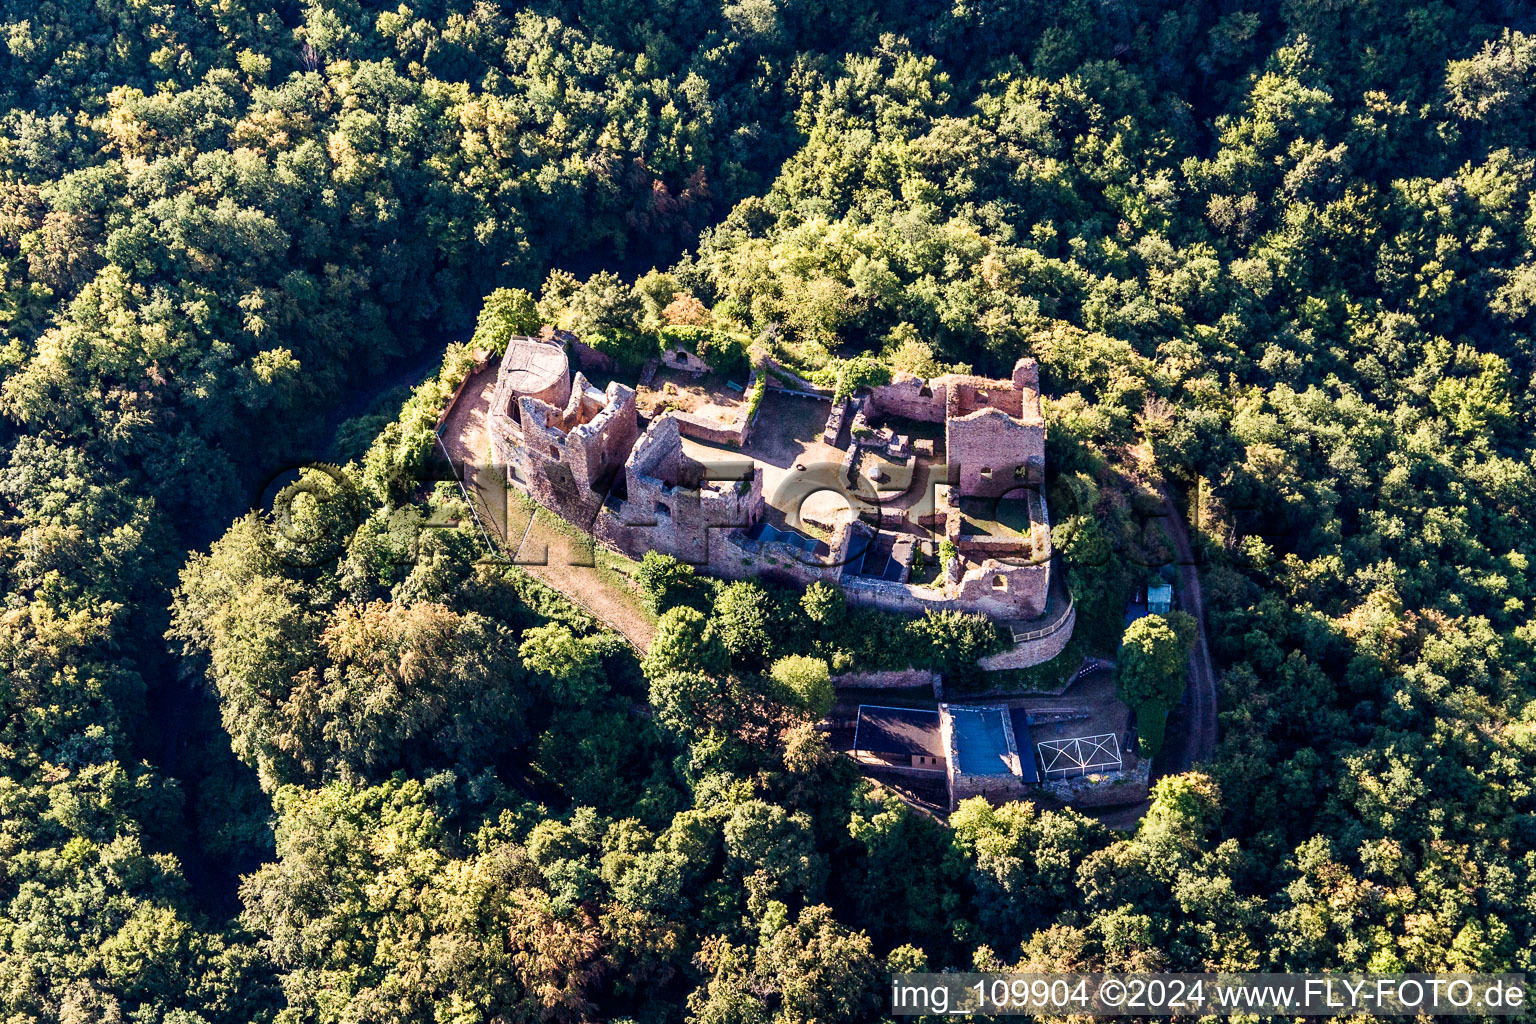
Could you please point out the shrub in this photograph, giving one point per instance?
(953, 642)
(859, 372)
(742, 619)
(666, 583)
(947, 552)
(805, 682)
(1151, 671)
(755, 396)
(823, 604)
(394, 462)
(1151, 721)
(685, 641)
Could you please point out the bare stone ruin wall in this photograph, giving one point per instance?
(589, 358)
(891, 679)
(987, 447)
(560, 468)
(1103, 789)
(1022, 597)
(710, 432)
(682, 521)
(965, 395)
(893, 597)
(683, 360)
(903, 398)
(733, 556)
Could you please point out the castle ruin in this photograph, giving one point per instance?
(949, 466)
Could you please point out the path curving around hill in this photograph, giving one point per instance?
(1199, 702)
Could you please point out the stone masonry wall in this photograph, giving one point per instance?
(910, 397)
(567, 469)
(670, 508)
(996, 788)
(711, 432)
(1035, 651)
(678, 358)
(1103, 789)
(993, 453)
(891, 679)
(1004, 590)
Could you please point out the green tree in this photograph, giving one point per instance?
(665, 582)
(743, 619)
(1151, 671)
(507, 313)
(685, 641)
(806, 681)
(570, 663)
(823, 604)
(821, 970)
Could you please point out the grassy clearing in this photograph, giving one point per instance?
(612, 570)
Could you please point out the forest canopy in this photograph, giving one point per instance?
(1275, 258)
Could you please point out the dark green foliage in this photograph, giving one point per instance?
(1277, 258)
(666, 583)
(1152, 670)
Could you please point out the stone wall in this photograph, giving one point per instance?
(831, 434)
(678, 358)
(589, 358)
(1033, 651)
(1005, 590)
(891, 679)
(711, 432)
(671, 507)
(893, 597)
(1103, 789)
(910, 397)
(565, 457)
(505, 412)
(991, 453)
(995, 787)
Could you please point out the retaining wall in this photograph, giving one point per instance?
(709, 431)
(1038, 650)
(891, 679)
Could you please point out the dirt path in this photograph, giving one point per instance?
(551, 556)
(1196, 741)
(568, 566)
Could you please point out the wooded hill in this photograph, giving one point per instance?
(1279, 257)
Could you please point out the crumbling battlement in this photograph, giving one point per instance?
(563, 441)
(994, 431)
(672, 506)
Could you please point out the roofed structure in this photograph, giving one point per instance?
(984, 758)
(901, 737)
